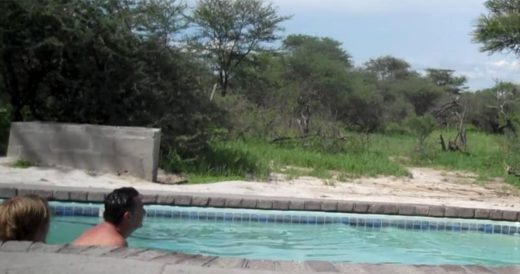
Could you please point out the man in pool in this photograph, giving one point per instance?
(123, 214)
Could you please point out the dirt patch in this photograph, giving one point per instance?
(424, 186)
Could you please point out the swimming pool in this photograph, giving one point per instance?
(296, 235)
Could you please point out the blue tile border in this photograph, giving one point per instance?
(85, 195)
(271, 217)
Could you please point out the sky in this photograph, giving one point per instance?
(425, 33)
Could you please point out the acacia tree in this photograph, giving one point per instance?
(229, 30)
(499, 30)
(316, 69)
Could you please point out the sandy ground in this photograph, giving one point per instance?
(425, 186)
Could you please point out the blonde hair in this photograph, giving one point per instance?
(24, 218)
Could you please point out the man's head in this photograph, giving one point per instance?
(123, 207)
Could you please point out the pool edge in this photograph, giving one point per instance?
(76, 194)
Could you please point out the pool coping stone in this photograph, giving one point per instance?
(94, 195)
(212, 264)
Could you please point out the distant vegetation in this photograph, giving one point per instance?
(231, 105)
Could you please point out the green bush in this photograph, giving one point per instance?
(4, 130)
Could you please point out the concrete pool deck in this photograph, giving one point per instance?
(28, 257)
(22, 257)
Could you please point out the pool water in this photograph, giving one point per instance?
(330, 242)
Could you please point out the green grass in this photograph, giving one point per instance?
(22, 164)
(386, 155)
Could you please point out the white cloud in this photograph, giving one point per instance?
(364, 7)
(485, 75)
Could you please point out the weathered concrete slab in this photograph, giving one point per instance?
(24, 257)
(120, 150)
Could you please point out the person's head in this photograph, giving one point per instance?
(123, 207)
(24, 218)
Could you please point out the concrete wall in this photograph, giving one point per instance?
(121, 150)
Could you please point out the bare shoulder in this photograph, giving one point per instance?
(100, 235)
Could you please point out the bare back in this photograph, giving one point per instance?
(104, 234)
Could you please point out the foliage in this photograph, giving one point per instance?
(228, 31)
(421, 127)
(4, 130)
(446, 79)
(498, 30)
(22, 164)
(105, 62)
(388, 68)
(316, 73)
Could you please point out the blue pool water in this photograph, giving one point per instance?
(335, 237)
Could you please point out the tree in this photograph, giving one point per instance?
(230, 30)
(446, 79)
(104, 62)
(499, 30)
(422, 94)
(316, 70)
(388, 68)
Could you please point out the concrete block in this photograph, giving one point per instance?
(199, 201)
(289, 267)
(70, 249)
(7, 192)
(436, 211)
(296, 205)
(453, 269)
(406, 210)
(149, 198)
(360, 207)
(119, 150)
(390, 209)
(124, 252)
(46, 248)
(312, 205)
(321, 266)
(495, 215)
(346, 207)
(147, 255)
(510, 215)
(478, 269)
(61, 195)
(376, 209)
(98, 250)
(182, 200)
(95, 196)
(260, 265)
(264, 204)
(165, 199)
(481, 213)
(451, 212)
(248, 203)
(79, 196)
(226, 262)
(468, 213)
(421, 210)
(16, 246)
(281, 205)
(233, 202)
(216, 202)
(331, 206)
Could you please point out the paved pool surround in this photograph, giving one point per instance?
(29, 257)
(266, 203)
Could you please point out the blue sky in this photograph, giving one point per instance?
(425, 33)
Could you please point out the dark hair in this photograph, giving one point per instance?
(118, 202)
